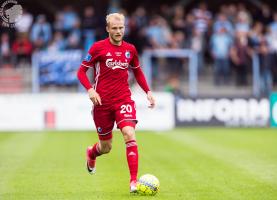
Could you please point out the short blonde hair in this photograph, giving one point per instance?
(118, 16)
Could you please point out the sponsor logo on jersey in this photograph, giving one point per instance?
(118, 53)
(127, 54)
(87, 58)
(117, 64)
(108, 54)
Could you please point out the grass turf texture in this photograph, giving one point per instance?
(196, 163)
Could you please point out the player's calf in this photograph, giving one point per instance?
(105, 148)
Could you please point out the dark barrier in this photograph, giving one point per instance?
(231, 111)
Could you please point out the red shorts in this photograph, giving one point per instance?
(104, 116)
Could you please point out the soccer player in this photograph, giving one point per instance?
(111, 59)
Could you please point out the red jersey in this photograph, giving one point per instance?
(111, 64)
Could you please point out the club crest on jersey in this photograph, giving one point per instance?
(99, 129)
(127, 54)
(117, 64)
(87, 58)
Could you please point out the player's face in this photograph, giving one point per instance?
(116, 30)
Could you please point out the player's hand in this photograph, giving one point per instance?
(151, 99)
(94, 97)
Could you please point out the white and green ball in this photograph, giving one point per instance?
(148, 185)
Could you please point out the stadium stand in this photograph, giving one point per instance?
(224, 35)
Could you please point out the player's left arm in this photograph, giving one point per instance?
(139, 75)
(143, 84)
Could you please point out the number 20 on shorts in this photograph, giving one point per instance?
(126, 109)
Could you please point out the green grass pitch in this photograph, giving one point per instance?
(191, 164)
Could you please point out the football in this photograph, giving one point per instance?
(148, 185)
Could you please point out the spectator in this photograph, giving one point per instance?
(221, 43)
(230, 11)
(70, 19)
(242, 23)
(163, 10)
(58, 23)
(173, 86)
(74, 38)
(114, 6)
(176, 64)
(25, 22)
(159, 36)
(273, 24)
(202, 18)
(273, 44)
(6, 56)
(271, 38)
(58, 43)
(89, 27)
(178, 22)
(137, 23)
(198, 44)
(41, 33)
(22, 49)
(259, 45)
(189, 25)
(256, 36)
(244, 13)
(223, 22)
(265, 68)
(264, 15)
(158, 33)
(178, 40)
(141, 18)
(240, 57)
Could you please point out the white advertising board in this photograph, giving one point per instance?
(73, 112)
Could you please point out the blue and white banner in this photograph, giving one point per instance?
(56, 67)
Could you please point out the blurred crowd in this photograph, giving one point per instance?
(226, 39)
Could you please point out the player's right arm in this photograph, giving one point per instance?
(94, 97)
(87, 63)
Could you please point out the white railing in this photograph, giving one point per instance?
(177, 53)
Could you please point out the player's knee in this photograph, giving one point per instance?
(129, 134)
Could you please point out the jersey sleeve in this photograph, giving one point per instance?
(88, 62)
(135, 60)
(139, 75)
(82, 76)
(91, 57)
